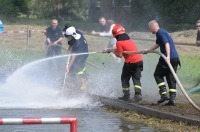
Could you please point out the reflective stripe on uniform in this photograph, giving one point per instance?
(81, 72)
(137, 86)
(172, 90)
(161, 84)
(164, 93)
(126, 89)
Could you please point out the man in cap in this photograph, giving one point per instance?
(133, 64)
(77, 45)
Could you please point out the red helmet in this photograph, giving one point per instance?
(117, 30)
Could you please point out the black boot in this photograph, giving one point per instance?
(163, 98)
(163, 94)
(172, 100)
(137, 98)
(126, 96)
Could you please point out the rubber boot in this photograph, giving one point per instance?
(83, 83)
(172, 100)
(163, 94)
(137, 98)
(126, 96)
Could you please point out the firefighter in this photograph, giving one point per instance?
(77, 44)
(54, 37)
(167, 47)
(133, 64)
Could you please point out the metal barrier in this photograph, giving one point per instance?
(35, 121)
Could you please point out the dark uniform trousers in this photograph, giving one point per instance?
(53, 51)
(162, 70)
(131, 70)
(78, 71)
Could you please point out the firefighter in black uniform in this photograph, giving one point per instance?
(77, 44)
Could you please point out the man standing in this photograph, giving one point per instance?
(107, 27)
(104, 26)
(77, 44)
(1, 27)
(198, 33)
(167, 47)
(54, 37)
(133, 64)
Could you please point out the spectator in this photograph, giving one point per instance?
(1, 27)
(198, 33)
(107, 26)
(54, 37)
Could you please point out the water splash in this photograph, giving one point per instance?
(35, 85)
(38, 84)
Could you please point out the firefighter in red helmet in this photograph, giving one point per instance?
(133, 64)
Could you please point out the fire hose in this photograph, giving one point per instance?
(67, 52)
(168, 63)
(173, 72)
(67, 64)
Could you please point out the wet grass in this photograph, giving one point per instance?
(13, 59)
(160, 124)
(190, 71)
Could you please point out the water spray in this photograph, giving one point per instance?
(67, 64)
(75, 54)
(173, 72)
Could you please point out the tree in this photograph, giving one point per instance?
(14, 8)
(178, 11)
(68, 9)
(142, 12)
(176, 14)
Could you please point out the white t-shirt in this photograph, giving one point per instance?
(109, 33)
(112, 40)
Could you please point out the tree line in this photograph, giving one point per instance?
(178, 13)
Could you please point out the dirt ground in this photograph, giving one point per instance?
(181, 109)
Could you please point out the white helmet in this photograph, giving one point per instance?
(71, 31)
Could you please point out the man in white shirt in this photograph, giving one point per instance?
(107, 27)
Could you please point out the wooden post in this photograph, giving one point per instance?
(27, 38)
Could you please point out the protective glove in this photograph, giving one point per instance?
(106, 51)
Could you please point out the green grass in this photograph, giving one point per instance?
(13, 59)
(189, 73)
